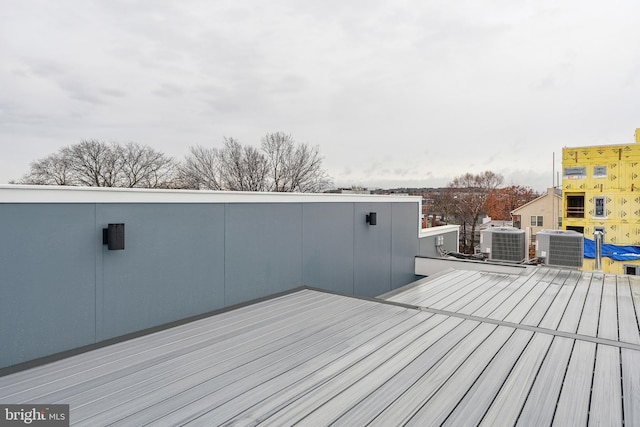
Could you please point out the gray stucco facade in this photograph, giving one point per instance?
(186, 253)
(436, 241)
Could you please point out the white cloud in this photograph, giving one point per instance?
(392, 92)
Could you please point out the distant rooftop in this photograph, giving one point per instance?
(10, 193)
(547, 346)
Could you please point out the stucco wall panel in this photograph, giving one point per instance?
(263, 250)
(328, 226)
(172, 266)
(47, 279)
(403, 245)
(373, 249)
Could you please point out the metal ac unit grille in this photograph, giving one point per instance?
(508, 246)
(565, 251)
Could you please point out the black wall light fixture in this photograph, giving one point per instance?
(372, 218)
(113, 237)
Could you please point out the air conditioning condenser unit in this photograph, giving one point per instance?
(563, 248)
(503, 244)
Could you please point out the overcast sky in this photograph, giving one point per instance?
(395, 93)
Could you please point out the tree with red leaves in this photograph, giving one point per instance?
(501, 201)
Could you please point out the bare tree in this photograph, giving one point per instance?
(305, 170)
(255, 168)
(145, 167)
(277, 148)
(200, 169)
(465, 197)
(293, 167)
(444, 204)
(94, 163)
(54, 169)
(279, 165)
(242, 168)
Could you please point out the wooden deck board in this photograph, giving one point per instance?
(608, 321)
(541, 402)
(606, 395)
(463, 293)
(506, 407)
(492, 289)
(573, 312)
(191, 389)
(556, 311)
(175, 339)
(573, 404)
(541, 306)
(627, 321)
(210, 361)
(631, 386)
(392, 389)
(430, 289)
(438, 408)
(634, 283)
(478, 398)
(515, 311)
(591, 310)
(519, 285)
(406, 406)
(338, 383)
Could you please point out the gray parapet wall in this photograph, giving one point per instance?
(185, 253)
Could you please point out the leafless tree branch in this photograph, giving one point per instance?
(94, 163)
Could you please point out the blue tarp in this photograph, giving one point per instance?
(615, 252)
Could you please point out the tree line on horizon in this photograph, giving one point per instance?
(279, 164)
(469, 196)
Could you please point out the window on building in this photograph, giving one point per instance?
(633, 270)
(599, 206)
(575, 206)
(560, 222)
(576, 172)
(517, 221)
(599, 171)
(536, 221)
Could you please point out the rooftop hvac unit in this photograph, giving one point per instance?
(563, 248)
(503, 244)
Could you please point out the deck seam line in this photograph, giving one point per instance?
(563, 334)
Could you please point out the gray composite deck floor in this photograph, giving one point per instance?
(554, 347)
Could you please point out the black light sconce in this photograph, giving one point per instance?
(372, 218)
(113, 237)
